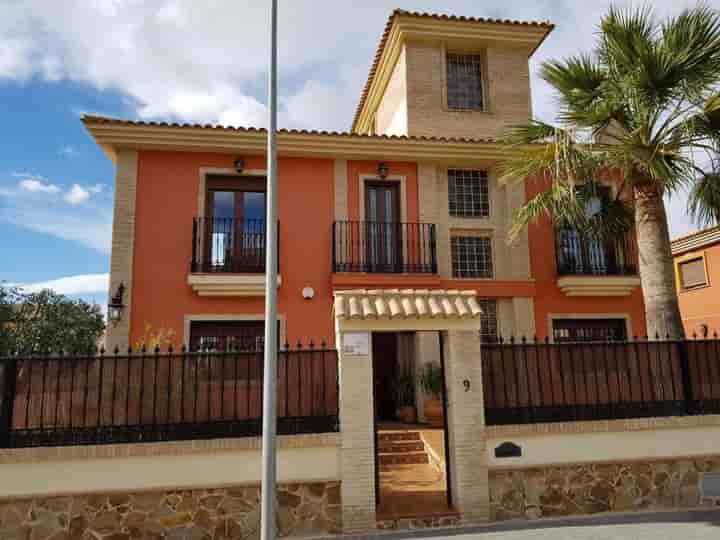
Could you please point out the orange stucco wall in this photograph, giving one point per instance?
(550, 300)
(167, 200)
(701, 306)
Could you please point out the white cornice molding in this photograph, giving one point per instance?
(112, 137)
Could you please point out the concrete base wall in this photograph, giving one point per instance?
(584, 489)
(304, 509)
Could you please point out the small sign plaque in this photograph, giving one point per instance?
(357, 344)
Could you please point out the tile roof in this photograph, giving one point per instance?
(406, 304)
(91, 119)
(695, 240)
(436, 16)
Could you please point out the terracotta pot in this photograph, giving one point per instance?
(407, 414)
(434, 413)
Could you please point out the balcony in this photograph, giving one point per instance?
(589, 266)
(228, 257)
(384, 248)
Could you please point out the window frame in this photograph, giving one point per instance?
(685, 259)
(457, 235)
(484, 93)
(483, 175)
(485, 320)
(621, 322)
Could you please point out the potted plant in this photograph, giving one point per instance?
(405, 397)
(431, 381)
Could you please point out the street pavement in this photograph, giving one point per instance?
(690, 525)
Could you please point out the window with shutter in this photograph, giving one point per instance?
(692, 273)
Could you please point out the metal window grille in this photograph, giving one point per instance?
(488, 320)
(468, 193)
(589, 330)
(471, 257)
(464, 81)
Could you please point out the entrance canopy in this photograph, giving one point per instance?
(407, 309)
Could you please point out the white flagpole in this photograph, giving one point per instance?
(269, 435)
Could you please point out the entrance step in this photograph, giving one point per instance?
(407, 458)
(398, 436)
(400, 447)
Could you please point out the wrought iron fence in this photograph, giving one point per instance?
(378, 247)
(532, 382)
(142, 396)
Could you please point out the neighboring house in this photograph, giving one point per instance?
(393, 252)
(697, 269)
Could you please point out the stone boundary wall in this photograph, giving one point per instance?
(575, 490)
(206, 514)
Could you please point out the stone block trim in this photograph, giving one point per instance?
(209, 514)
(123, 237)
(601, 426)
(576, 490)
(174, 448)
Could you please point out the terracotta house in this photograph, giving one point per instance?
(394, 262)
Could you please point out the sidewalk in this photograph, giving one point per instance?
(688, 525)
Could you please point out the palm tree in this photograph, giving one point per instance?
(643, 107)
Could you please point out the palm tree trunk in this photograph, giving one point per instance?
(657, 273)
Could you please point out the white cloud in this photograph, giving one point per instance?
(64, 217)
(76, 195)
(35, 185)
(71, 285)
(216, 73)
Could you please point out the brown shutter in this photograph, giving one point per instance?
(692, 273)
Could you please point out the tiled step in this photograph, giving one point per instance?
(408, 458)
(398, 436)
(401, 447)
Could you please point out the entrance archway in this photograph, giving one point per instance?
(455, 314)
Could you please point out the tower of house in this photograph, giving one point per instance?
(446, 76)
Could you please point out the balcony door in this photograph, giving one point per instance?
(235, 228)
(384, 233)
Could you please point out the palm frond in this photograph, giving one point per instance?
(558, 203)
(704, 199)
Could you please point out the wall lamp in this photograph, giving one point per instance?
(383, 170)
(116, 306)
(239, 165)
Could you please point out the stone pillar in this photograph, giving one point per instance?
(358, 439)
(123, 236)
(466, 426)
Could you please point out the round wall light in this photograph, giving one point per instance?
(308, 293)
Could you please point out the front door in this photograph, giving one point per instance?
(383, 236)
(385, 354)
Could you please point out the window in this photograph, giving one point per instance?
(471, 257)
(488, 320)
(468, 193)
(692, 273)
(586, 330)
(227, 335)
(464, 81)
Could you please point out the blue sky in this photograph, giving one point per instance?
(184, 60)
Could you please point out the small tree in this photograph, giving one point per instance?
(47, 322)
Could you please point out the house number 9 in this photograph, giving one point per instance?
(466, 384)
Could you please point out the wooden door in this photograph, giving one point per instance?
(383, 228)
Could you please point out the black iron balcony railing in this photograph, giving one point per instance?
(228, 245)
(582, 255)
(378, 247)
